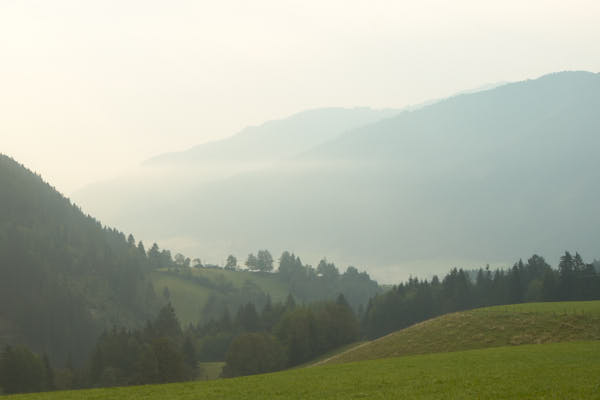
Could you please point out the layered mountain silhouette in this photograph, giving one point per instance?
(472, 179)
(277, 139)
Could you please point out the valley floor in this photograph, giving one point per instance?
(558, 370)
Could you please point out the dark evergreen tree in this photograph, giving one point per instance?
(21, 371)
(166, 324)
(254, 353)
(247, 319)
(252, 262)
(264, 261)
(231, 263)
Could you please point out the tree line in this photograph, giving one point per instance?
(417, 300)
(304, 282)
(280, 335)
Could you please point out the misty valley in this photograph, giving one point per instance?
(446, 250)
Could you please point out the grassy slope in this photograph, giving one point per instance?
(560, 370)
(210, 370)
(528, 323)
(189, 298)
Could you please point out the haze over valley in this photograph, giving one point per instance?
(466, 181)
(299, 199)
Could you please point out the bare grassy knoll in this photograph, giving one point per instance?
(529, 323)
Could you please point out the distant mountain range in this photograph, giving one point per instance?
(277, 139)
(472, 179)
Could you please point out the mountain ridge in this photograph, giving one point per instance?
(448, 184)
(279, 137)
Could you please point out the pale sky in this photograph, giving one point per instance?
(88, 89)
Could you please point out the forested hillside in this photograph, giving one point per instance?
(63, 276)
(532, 281)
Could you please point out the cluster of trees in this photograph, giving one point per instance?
(303, 282)
(281, 335)
(159, 353)
(301, 332)
(213, 339)
(262, 261)
(307, 283)
(417, 300)
(159, 258)
(22, 371)
(284, 335)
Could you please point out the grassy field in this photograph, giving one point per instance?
(210, 370)
(322, 359)
(269, 283)
(530, 323)
(189, 298)
(559, 370)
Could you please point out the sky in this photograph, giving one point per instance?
(89, 89)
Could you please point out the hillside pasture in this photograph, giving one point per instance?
(558, 370)
(527, 323)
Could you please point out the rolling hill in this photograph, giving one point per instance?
(477, 178)
(527, 323)
(202, 294)
(235, 288)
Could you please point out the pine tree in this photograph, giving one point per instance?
(252, 262)
(167, 324)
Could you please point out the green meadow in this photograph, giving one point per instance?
(189, 297)
(210, 370)
(559, 370)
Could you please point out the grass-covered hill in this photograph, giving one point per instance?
(560, 370)
(528, 323)
(201, 293)
(63, 276)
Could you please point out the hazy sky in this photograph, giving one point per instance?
(88, 89)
